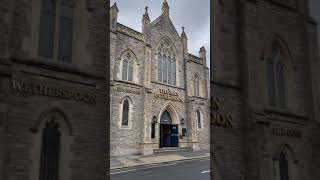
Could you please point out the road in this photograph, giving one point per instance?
(191, 170)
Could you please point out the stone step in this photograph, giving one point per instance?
(171, 149)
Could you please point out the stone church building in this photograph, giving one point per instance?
(159, 91)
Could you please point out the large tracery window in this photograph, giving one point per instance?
(56, 22)
(275, 72)
(50, 152)
(166, 62)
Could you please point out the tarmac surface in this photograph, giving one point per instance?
(122, 162)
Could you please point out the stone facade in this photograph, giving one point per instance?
(145, 92)
(260, 134)
(34, 90)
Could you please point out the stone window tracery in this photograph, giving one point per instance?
(166, 62)
(128, 67)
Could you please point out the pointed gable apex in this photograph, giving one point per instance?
(164, 19)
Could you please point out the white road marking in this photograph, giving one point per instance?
(205, 172)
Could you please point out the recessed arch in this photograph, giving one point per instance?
(172, 111)
(126, 97)
(276, 41)
(125, 110)
(284, 148)
(45, 113)
(131, 52)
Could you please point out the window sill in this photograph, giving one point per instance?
(125, 127)
(128, 82)
(198, 98)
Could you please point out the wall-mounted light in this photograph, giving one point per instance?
(182, 121)
(154, 119)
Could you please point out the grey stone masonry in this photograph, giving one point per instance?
(251, 143)
(34, 89)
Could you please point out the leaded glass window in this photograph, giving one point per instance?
(166, 62)
(56, 13)
(196, 86)
(270, 84)
(127, 67)
(281, 85)
(276, 84)
(124, 70)
(125, 113)
(66, 31)
(50, 152)
(46, 31)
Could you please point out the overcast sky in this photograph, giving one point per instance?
(193, 15)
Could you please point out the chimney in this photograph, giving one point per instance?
(202, 55)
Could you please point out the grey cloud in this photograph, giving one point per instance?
(193, 15)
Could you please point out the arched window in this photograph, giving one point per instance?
(50, 152)
(166, 62)
(199, 121)
(125, 113)
(283, 165)
(56, 13)
(196, 85)
(275, 72)
(46, 31)
(127, 66)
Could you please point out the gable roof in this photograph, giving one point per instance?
(160, 19)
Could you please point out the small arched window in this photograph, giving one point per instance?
(127, 67)
(125, 113)
(199, 121)
(50, 151)
(275, 72)
(54, 14)
(283, 165)
(196, 87)
(166, 62)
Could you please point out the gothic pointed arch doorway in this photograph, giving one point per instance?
(168, 131)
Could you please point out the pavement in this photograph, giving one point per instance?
(196, 169)
(123, 163)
